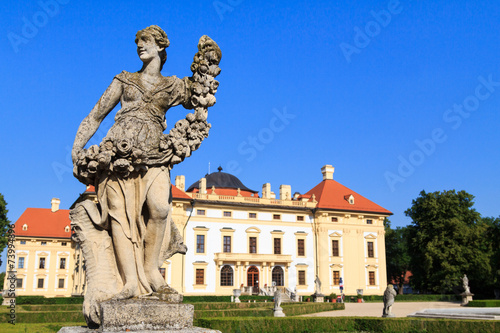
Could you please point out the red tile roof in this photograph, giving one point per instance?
(333, 195)
(178, 194)
(42, 222)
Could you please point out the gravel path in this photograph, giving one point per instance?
(400, 309)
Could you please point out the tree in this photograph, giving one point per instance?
(397, 257)
(446, 240)
(4, 225)
(492, 235)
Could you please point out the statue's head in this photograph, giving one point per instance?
(160, 38)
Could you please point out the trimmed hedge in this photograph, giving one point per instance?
(409, 298)
(289, 309)
(20, 300)
(56, 307)
(492, 303)
(349, 324)
(45, 317)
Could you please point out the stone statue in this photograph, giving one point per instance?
(389, 296)
(318, 285)
(127, 236)
(278, 310)
(465, 282)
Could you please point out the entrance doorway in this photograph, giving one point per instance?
(253, 278)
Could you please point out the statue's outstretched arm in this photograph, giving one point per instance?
(91, 123)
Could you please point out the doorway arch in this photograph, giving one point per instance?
(253, 277)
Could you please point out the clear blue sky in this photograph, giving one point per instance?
(398, 96)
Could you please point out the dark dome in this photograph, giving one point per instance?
(221, 180)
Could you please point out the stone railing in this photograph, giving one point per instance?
(254, 200)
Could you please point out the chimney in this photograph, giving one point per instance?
(203, 186)
(180, 182)
(327, 172)
(55, 204)
(266, 190)
(273, 195)
(285, 192)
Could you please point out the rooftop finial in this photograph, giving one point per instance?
(219, 168)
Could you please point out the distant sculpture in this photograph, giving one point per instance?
(465, 282)
(278, 310)
(318, 285)
(127, 236)
(389, 296)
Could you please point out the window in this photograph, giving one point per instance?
(227, 245)
(64, 244)
(162, 272)
(42, 263)
(276, 217)
(252, 241)
(370, 250)
(369, 221)
(200, 276)
(277, 245)
(66, 229)
(227, 214)
(226, 276)
(61, 283)
(335, 248)
(252, 215)
(19, 283)
(40, 283)
(336, 278)
(200, 212)
(62, 263)
(43, 243)
(335, 219)
(200, 243)
(25, 227)
(371, 278)
(20, 263)
(277, 276)
(300, 248)
(300, 218)
(302, 278)
(23, 242)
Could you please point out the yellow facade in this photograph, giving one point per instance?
(45, 266)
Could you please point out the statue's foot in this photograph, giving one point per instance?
(155, 279)
(128, 291)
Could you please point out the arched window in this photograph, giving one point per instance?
(226, 276)
(278, 276)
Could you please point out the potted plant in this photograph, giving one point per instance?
(333, 297)
(360, 298)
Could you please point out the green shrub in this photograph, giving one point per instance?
(45, 300)
(51, 307)
(196, 299)
(45, 317)
(349, 324)
(492, 303)
(265, 310)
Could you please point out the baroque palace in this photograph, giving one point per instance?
(235, 239)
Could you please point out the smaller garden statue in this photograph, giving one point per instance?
(465, 282)
(389, 295)
(278, 310)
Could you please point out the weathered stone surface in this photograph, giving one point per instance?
(129, 233)
(460, 313)
(144, 314)
(389, 295)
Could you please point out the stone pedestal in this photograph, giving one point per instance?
(236, 294)
(145, 314)
(466, 298)
(319, 298)
(278, 312)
